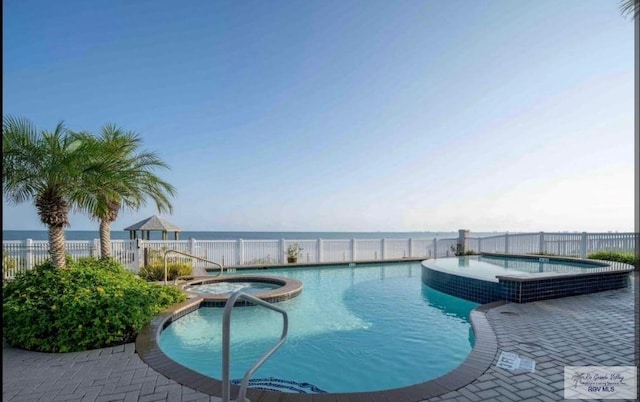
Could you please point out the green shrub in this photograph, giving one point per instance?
(87, 305)
(457, 251)
(618, 256)
(155, 271)
(177, 265)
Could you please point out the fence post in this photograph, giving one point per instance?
(506, 242)
(541, 245)
(435, 247)
(462, 241)
(283, 254)
(384, 248)
(193, 249)
(583, 245)
(193, 246)
(138, 254)
(353, 250)
(96, 251)
(320, 259)
(410, 247)
(479, 244)
(240, 255)
(28, 246)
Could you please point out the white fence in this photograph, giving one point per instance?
(565, 244)
(19, 256)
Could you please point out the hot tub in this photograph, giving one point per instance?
(216, 291)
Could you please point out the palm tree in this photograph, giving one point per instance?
(46, 167)
(630, 7)
(129, 182)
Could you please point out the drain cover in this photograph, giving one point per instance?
(280, 385)
(508, 313)
(515, 363)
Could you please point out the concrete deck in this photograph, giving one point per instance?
(596, 329)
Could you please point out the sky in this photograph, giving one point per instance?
(335, 115)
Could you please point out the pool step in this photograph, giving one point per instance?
(280, 385)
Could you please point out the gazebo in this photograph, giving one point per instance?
(152, 224)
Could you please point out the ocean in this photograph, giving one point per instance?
(205, 235)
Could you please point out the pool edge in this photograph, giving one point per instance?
(476, 363)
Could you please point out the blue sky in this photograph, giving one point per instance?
(345, 115)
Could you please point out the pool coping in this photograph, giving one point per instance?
(477, 362)
(289, 288)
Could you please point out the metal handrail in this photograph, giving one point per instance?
(166, 253)
(226, 349)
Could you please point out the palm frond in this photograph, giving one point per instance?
(121, 176)
(630, 7)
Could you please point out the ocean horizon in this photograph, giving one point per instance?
(231, 235)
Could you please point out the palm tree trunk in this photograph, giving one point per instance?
(57, 246)
(105, 239)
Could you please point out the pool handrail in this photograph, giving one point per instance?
(226, 348)
(166, 253)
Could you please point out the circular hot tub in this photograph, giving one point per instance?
(216, 291)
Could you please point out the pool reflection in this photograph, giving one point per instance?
(450, 305)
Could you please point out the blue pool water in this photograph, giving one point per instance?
(352, 329)
(488, 267)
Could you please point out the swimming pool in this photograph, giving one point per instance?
(353, 329)
(521, 278)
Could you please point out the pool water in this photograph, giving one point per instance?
(488, 267)
(222, 288)
(352, 329)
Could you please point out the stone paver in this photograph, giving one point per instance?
(110, 374)
(595, 329)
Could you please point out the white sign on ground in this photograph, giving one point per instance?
(513, 362)
(600, 382)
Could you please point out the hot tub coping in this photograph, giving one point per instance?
(289, 288)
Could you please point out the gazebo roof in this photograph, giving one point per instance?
(154, 223)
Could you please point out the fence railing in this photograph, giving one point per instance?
(565, 244)
(19, 256)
